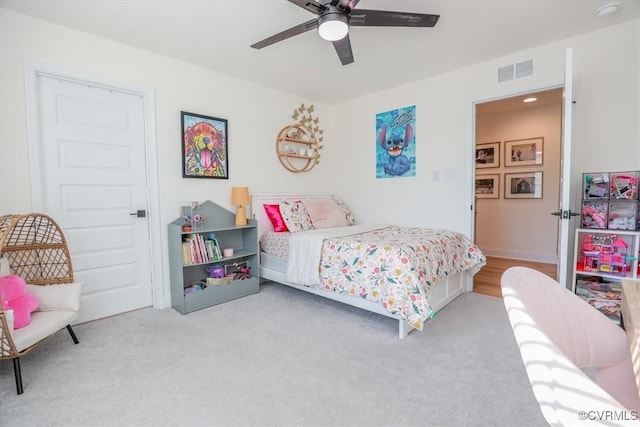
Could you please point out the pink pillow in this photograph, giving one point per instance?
(14, 295)
(325, 213)
(273, 212)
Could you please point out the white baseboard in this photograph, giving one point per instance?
(526, 256)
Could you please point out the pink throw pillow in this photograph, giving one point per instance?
(14, 296)
(273, 212)
(325, 213)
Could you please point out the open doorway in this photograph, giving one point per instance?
(518, 184)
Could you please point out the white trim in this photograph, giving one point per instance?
(33, 134)
(517, 255)
(472, 146)
(32, 71)
(567, 198)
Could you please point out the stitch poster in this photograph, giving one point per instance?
(395, 143)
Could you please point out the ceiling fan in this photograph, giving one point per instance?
(335, 17)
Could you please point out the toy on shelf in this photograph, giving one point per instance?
(612, 258)
(605, 254)
(215, 271)
(594, 214)
(595, 186)
(591, 247)
(623, 215)
(624, 186)
(243, 273)
(602, 295)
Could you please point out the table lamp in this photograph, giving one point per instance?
(240, 197)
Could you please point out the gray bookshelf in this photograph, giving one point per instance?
(243, 240)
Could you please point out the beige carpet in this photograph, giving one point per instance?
(280, 357)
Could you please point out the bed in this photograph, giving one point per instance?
(406, 273)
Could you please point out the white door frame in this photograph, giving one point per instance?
(565, 230)
(32, 71)
(520, 92)
(568, 199)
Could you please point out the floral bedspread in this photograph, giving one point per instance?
(395, 266)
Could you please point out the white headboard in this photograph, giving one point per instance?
(259, 214)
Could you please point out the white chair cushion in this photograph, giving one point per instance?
(57, 297)
(43, 324)
(5, 268)
(8, 315)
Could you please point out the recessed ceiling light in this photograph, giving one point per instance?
(532, 99)
(608, 9)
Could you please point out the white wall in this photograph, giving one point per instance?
(521, 228)
(441, 193)
(606, 131)
(255, 114)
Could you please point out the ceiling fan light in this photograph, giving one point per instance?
(333, 27)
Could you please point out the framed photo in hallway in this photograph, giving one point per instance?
(488, 155)
(488, 186)
(523, 185)
(523, 152)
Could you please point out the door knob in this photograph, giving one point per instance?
(565, 214)
(140, 213)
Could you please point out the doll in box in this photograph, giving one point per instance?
(622, 215)
(624, 186)
(596, 186)
(594, 215)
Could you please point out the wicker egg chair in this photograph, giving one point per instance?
(37, 251)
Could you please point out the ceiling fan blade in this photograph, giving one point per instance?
(343, 49)
(386, 18)
(293, 31)
(312, 6)
(346, 5)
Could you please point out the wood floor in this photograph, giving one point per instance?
(487, 280)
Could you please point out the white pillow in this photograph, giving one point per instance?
(351, 220)
(295, 216)
(5, 268)
(8, 315)
(63, 296)
(325, 213)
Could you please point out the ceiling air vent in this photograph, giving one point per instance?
(505, 73)
(524, 69)
(515, 71)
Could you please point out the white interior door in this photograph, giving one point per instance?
(93, 174)
(567, 192)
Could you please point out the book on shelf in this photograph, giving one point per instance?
(202, 251)
(217, 250)
(211, 245)
(209, 250)
(198, 250)
(186, 253)
(195, 254)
